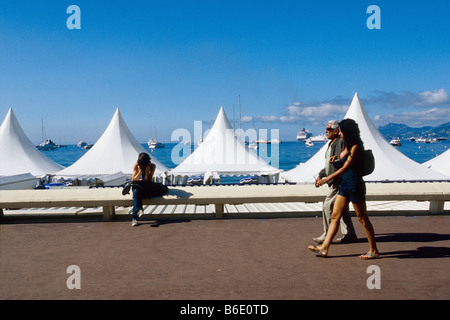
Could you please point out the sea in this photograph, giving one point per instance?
(291, 153)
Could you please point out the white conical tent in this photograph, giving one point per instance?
(18, 155)
(115, 151)
(440, 163)
(222, 153)
(390, 164)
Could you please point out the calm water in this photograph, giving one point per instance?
(291, 153)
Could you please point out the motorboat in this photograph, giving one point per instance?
(395, 142)
(81, 144)
(309, 143)
(303, 135)
(47, 145)
(253, 145)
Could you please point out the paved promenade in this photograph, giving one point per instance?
(222, 259)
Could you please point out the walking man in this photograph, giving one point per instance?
(335, 146)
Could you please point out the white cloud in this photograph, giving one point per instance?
(268, 118)
(434, 97)
(433, 117)
(246, 119)
(436, 101)
(409, 99)
(297, 112)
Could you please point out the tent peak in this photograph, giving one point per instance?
(10, 112)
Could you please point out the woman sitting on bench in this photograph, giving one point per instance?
(143, 171)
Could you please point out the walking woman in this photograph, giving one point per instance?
(352, 188)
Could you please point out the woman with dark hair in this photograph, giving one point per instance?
(352, 188)
(143, 171)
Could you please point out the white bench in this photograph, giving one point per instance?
(108, 198)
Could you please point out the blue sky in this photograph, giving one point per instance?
(166, 64)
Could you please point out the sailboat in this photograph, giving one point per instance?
(153, 143)
(46, 144)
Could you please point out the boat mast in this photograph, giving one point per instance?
(240, 115)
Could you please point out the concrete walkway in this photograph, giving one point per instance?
(233, 259)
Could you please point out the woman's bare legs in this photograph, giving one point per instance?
(340, 204)
(361, 213)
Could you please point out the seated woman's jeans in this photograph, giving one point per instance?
(137, 201)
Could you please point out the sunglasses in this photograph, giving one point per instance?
(330, 129)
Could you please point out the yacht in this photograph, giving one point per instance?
(320, 138)
(422, 140)
(395, 142)
(153, 143)
(47, 145)
(263, 141)
(81, 144)
(303, 135)
(253, 145)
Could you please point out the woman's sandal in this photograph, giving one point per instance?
(316, 251)
(368, 256)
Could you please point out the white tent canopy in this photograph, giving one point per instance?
(222, 153)
(390, 164)
(115, 151)
(18, 155)
(440, 163)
